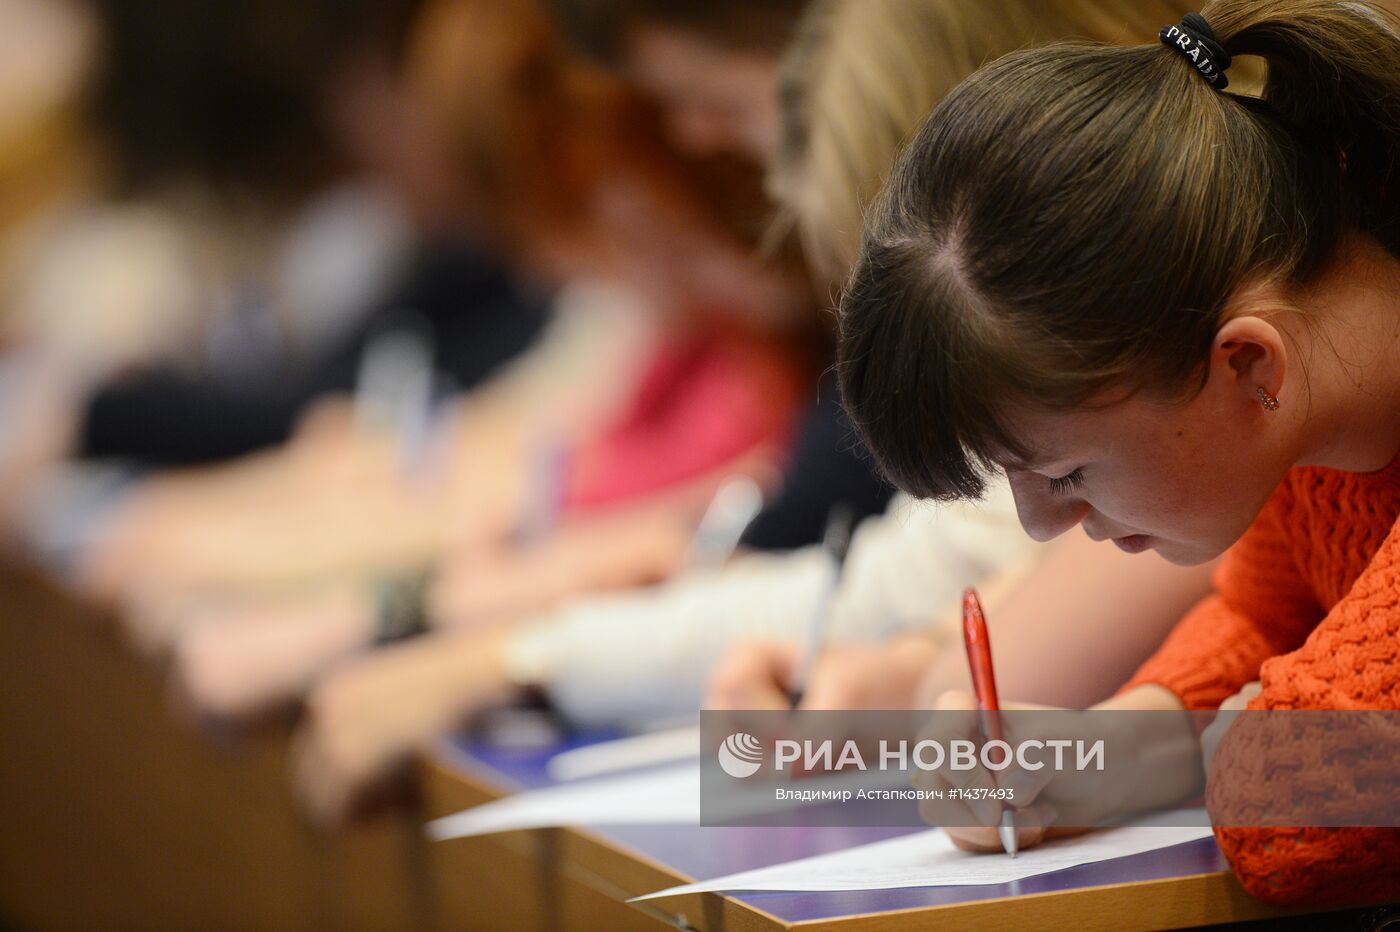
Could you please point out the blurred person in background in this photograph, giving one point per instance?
(714, 67)
(580, 181)
(363, 100)
(594, 197)
(245, 240)
(731, 165)
(240, 650)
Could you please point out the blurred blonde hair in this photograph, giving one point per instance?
(860, 76)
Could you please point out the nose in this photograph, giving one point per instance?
(1043, 515)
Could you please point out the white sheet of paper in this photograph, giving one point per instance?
(663, 796)
(626, 753)
(928, 859)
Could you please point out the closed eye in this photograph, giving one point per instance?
(1068, 483)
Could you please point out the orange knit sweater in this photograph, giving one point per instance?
(1308, 603)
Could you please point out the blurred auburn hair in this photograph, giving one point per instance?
(531, 129)
(498, 88)
(551, 147)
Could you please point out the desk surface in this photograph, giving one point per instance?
(695, 852)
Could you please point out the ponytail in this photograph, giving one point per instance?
(1334, 78)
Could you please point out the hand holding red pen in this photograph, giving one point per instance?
(987, 824)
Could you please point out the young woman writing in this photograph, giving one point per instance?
(1172, 314)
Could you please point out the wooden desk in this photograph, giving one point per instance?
(581, 878)
(113, 815)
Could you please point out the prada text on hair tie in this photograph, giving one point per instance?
(1195, 40)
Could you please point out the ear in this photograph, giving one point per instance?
(1249, 353)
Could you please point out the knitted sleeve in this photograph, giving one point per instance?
(1352, 661)
(1263, 606)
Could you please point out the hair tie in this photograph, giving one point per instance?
(1195, 41)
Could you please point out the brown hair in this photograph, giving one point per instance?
(1073, 219)
(230, 96)
(860, 75)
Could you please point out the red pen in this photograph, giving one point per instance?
(984, 685)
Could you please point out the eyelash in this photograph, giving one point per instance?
(1067, 484)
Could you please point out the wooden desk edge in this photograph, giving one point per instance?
(1147, 906)
(623, 868)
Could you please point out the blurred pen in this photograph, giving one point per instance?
(836, 543)
(394, 388)
(735, 504)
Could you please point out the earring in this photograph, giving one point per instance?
(1269, 402)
